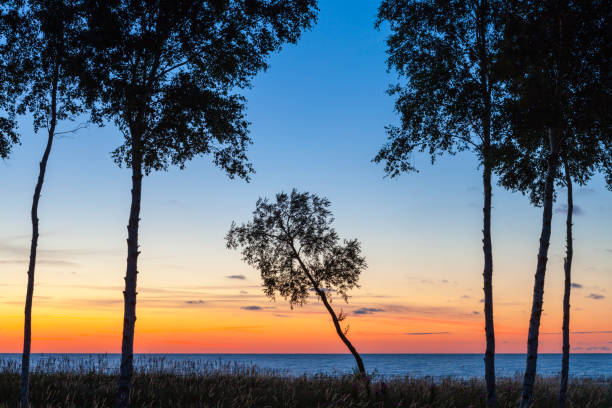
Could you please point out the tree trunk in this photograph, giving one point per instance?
(487, 274)
(567, 289)
(489, 358)
(129, 295)
(27, 326)
(332, 313)
(343, 337)
(538, 287)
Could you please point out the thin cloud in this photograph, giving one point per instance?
(244, 292)
(584, 332)
(562, 209)
(594, 348)
(194, 302)
(239, 277)
(609, 250)
(51, 262)
(368, 310)
(576, 285)
(466, 297)
(475, 312)
(425, 333)
(252, 308)
(595, 296)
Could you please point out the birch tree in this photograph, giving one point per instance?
(168, 75)
(292, 243)
(448, 101)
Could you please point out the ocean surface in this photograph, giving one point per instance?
(437, 366)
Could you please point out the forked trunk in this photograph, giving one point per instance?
(129, 295)
(538, 287)
(27, 326)
(567, 266)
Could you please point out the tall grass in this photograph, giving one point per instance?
(92, 383)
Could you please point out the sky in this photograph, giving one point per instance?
(317, 119)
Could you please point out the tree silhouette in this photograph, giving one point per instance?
(166, 73)
(40, 53)
(556, 61)
(449, 101)
(12, 27)
(292, 244)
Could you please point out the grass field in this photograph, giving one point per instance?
(241, 387)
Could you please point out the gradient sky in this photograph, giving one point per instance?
(318, 117)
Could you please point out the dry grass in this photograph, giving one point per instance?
(218, 385)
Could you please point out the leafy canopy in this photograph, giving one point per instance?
(292, 243)
(12, 24)
(167, 73)
(555, 59)
(435, 48)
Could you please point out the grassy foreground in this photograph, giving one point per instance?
(248, 387)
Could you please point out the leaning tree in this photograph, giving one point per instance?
(448, 101)
(555, 61)
(292, 244)
(39, 56)
(168, 73)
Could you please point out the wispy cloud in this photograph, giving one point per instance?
(425, 333)
(595, 296)
(194, 302)
(51, 262)
(252, 307)
(368, 310)
(584, 332)
(238, 277)
(576, 285)
(562, 209)
(594, 348)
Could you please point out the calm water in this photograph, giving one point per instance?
(387, 365)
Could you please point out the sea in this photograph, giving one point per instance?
(434, 366)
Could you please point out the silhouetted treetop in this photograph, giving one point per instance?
(555, 61)
(443, 52)
(167, 72)
(292, 243)
(13, 25)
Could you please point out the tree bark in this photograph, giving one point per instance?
(489, 358)
(538, 287)
(567, 266)
(27, 326)
(343, 337)
(332, 313)
(129, 294)
(487, 274)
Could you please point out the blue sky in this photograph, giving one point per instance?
(317, 119)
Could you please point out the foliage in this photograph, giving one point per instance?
(556, 61)
(292, 243)
(166, 72)
(443, 100)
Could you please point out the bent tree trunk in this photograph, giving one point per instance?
(332, 313)
(27, 326)
(129, 295)
(567, 266)
(538, 287)
(488, 290)
(340, 332)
